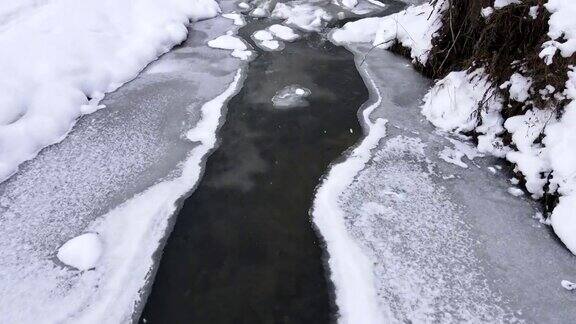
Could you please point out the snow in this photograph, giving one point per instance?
(228, 42)
(56, 56)
(302, 14)
(81, 252)
(498, 4)
(236, 17)
(518, 86)
(263, 35)
(460, 150)
(515, 191)
(243, 5)
(350, 269)
(568, 285)
(284, 33)
(562, 31)
(452, 104)
(413, 28)
(487, 12)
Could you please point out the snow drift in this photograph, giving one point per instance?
(59, 57)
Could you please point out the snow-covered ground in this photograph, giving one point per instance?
(59, 57)
(80, 223)
(414, 238)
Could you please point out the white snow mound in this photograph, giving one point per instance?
(81, 252)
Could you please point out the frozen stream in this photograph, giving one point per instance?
(413, 238)
(408, 236)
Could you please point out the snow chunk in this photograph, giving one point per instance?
(302, 15)
(498, 4)
(516, 192)
(452, 103)
(228, 42)
(265, 40)
(568, 285)
(237, 18)
(81, 252)
(562, 26)
(487, 12)
(525, 129)
(283, 32)
(519, 87)
(263, 35)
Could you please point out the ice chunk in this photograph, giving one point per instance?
(291, 96)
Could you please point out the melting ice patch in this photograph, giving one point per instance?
(291, 96)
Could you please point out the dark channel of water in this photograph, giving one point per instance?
(243, 249)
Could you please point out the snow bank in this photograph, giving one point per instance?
(413, 28)
(58, 59)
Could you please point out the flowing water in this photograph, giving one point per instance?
(243, 249)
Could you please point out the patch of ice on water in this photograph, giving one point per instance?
(291, 96)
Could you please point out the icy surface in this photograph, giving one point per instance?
(118, 174)
(59, 57)
(430, 241)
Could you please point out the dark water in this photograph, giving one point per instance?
(243, 249)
